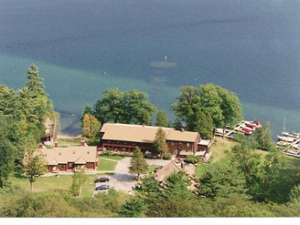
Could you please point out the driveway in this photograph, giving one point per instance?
(122, 180)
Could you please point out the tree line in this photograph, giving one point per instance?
(197, 108)
(244, 184)
(22, 115)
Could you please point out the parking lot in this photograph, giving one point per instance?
(122, 180)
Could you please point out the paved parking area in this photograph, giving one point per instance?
(122, 180)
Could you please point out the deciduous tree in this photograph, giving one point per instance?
(34, 164)
(90, 127)
(124, 107)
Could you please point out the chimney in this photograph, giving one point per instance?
(83, 143)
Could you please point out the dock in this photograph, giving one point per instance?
(289, 143)
(244, 128)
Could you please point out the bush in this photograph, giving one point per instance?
(167, 156)
(192, 159)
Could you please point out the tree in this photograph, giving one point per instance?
(221, 179)
(78, 179)
(175, 199)
(221, 105)
(230, 106)
(263, 138)
(267, 176)
(7, 151)
(109, 107)
(134, 207)
(90, 127)
(124, 107)
(87, 110)
(137, 108)
(204, 125)
(34, 165)
(187, 105)
(295, 194)
(34, 81)
(36, 91)
(160, 145)
(210, 102)
(162, 119)
(138, 164)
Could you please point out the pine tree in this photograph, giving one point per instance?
(138, 164)
(35, 95)
(162, 119)
(160, 144)
(34, 81)
(7, 150)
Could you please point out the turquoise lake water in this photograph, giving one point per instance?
(85, 47)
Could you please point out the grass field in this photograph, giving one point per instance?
(112, 157)
(61, 182)
(220, 147)
(106, 164)
(69, 141)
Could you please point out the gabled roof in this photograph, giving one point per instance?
(167, 171)
(75, 154)
(144, 134)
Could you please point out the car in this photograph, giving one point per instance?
(101, 179)
(102, 187)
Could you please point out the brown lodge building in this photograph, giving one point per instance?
(125, 137)
(70, 159)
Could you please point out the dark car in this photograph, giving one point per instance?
(101, 179)
(102, 187)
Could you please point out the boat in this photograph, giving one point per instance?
(164, 64)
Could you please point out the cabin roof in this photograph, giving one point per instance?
(75, 154)
(144, 134)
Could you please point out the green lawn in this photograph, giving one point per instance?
(105, 164)
(220, 147)
(113, 157)
(69, 141)
(60, 182)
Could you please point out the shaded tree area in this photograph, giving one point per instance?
(7, 150)
(131, 107)
(26, 110)
(220, 106)
(60, 204)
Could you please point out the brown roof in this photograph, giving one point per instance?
(63, 155)
(141, 133)
(167, 170)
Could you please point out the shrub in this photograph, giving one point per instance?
(167, 156)
(192, 159)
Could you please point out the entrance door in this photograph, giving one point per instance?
(70, 165)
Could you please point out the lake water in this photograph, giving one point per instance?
(86, 46)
